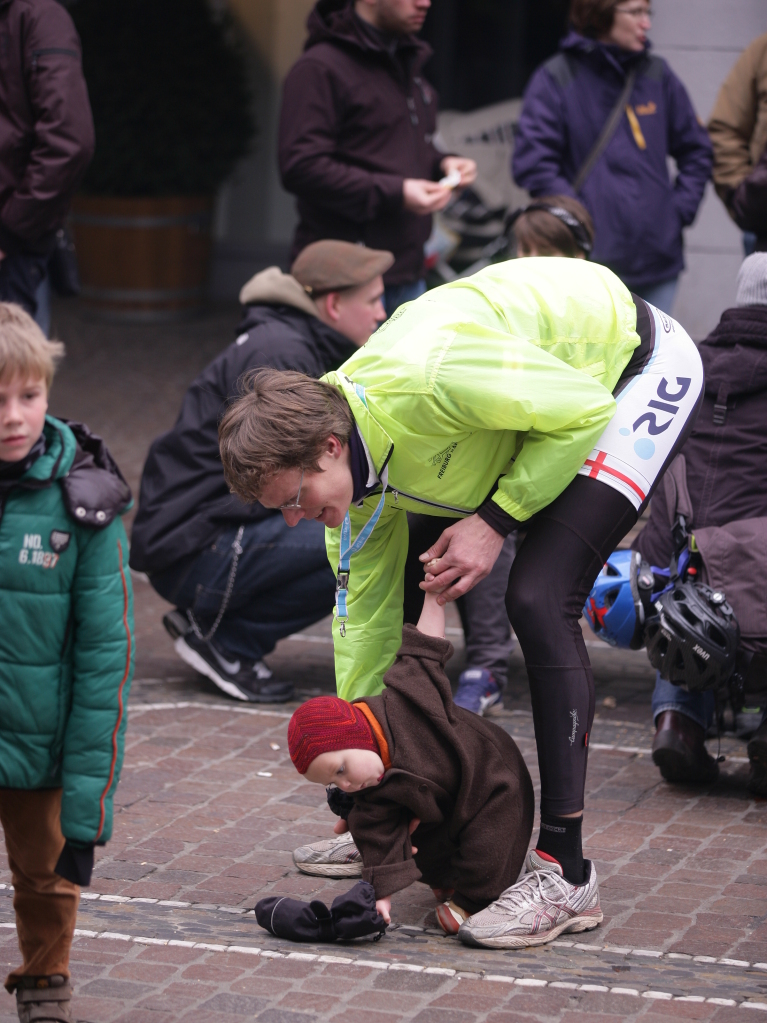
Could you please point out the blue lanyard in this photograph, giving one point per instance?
(347, 550)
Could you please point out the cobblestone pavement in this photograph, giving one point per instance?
(209, 809)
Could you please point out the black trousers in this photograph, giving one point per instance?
(556, 565)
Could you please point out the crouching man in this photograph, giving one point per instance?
(418, 764)
(239, 577)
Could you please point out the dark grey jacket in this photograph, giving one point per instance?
(184, 500)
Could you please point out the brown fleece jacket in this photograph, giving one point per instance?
(462, 776)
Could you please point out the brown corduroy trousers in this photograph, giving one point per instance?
(45, 904)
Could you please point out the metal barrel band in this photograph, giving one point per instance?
(195, 220)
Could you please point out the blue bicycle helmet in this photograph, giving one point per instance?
(615, 608)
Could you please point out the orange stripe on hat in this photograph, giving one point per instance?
(383, 745)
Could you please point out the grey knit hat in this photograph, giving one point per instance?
(752, 280)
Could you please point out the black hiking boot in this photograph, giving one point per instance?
(679, 751)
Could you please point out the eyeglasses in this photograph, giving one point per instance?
(635, 12)
(297, 502)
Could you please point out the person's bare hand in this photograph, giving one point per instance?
(383, 906)
(465, 167)
(410, 829)
(421, 196)
(340, 827)
(463, 555)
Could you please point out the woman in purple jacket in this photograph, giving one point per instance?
(638, 211)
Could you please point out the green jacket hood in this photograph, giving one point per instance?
(93, 488)
(60, 446)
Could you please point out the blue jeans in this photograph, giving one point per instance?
(697, 706)
(20, 277)
(284, 583)
(660, 295)
(43, 300)
(396, 295)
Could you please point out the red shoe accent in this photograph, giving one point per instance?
(446, 920)
(545, 856)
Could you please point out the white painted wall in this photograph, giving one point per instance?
(701, 40)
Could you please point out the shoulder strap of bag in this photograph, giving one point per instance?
(679, 504)
(562, 69)
(608, 130)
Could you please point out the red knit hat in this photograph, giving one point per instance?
(326, 724)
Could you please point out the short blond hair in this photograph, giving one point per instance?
(282, 420)
(25, 351)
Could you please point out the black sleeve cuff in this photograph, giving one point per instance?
(499, 520)
(75, 863)
(340, 802)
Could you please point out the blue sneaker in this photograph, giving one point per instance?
(477, 691)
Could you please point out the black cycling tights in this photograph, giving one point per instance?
(556, 565)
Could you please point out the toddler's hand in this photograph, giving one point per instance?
(384, 908)
(340, 827)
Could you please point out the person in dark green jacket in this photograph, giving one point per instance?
(66, 658)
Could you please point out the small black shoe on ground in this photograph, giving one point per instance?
(239, 679)
(757, 757)
(679, 751)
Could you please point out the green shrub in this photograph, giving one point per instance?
(170, 96)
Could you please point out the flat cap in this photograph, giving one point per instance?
(332, 265)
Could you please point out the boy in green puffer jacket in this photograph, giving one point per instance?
(66, 658)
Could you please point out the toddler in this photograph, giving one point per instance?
(417, 764)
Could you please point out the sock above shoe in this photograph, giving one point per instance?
(560, 840)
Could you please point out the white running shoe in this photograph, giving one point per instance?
(334, 857)
(537, 909)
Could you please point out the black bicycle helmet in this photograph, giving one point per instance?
(694, 638)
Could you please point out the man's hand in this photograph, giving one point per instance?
(421, 196)
(384, 908)
(465, 167)
(465, 553)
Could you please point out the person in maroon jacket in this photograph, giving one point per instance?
(46, 139)
(356, 136)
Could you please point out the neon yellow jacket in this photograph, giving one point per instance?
(506, 375)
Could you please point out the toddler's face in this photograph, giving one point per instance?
(23, 404)
(350, 769)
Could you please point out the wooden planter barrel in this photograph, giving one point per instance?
(143, 259)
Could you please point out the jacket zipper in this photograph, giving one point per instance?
(431, 504)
